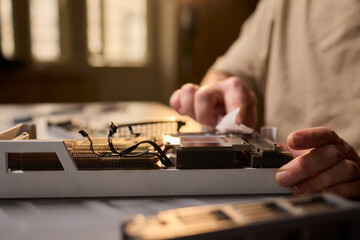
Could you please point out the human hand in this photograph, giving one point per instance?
(206, 103)
(323, 162)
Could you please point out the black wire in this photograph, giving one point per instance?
(112, 130)
(92, 148)
(162, 156)
(125, 152)
(111, 146)
(85, 134)
(132, 131)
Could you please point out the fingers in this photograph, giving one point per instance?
(294, 153)
(174, 100)
(205, 104)
(236, 94)
(348, 189)
(305, 166)
(187, 99)
(182, 100)
(208, 106)
(312, 137)
(342, 172)
(330, 164)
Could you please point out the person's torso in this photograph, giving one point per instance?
(313, 75)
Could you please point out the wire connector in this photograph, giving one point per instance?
(84, 133)
(113, 128)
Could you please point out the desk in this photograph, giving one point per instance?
(86, 218)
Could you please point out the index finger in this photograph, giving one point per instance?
(234, 92)
(312, 138)
(235, 95)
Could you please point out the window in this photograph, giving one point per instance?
(89, 50)
(7, 29)
(117, 32)
(45, 30)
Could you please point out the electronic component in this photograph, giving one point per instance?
(98, 154)
(84, 157)
(323, 216)
(207, 150)
(192, 151)
(59, 168)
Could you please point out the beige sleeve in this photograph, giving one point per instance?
(248, 56)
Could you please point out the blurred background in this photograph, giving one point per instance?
(111, 50)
